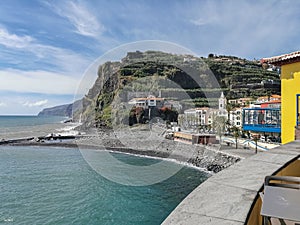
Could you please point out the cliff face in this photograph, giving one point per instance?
(183, 78)
(100, 96)
(62, 110)
(137, 75)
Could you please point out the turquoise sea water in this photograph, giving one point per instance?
(47, 185)
(22, 121)
(43, 185)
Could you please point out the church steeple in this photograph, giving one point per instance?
(222, 102)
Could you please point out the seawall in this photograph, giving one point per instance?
(228, 197)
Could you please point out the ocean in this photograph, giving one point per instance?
(55, 185)
(28, 126)
(23, 121)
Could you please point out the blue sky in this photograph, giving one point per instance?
(45, 46)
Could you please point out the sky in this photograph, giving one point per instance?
(46, 46)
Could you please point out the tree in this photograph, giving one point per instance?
(139, 112)
(255, 139)
(168, 114)
(236, 134)
(269, 94)
(229, 108)
(209, 127)
(218, 125)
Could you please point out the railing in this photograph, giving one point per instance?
(281, 199)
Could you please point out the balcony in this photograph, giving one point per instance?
(262, 120)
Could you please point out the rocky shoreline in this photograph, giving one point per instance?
(145, 142)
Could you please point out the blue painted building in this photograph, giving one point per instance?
(265, 120)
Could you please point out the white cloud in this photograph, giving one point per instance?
(13, 40)
(60, 59)
(81, 18)
(37, 103)
(2, 104)
(199, 22)
(37, 82)
(30, 104)
(205, 20)
(65, 60)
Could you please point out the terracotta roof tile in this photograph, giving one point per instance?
(282, 59)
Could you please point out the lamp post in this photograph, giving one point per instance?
(150, 125)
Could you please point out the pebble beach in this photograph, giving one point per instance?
(134, 140)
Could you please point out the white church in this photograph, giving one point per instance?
(205, 115)
(222, 106)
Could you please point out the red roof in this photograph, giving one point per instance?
(267, 104)
(273, 102)
(148, 98)
(283, 59)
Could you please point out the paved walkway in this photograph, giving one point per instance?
(263, 146)
(241, 152)
(226, 197)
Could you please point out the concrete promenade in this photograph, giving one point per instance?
(226, 197)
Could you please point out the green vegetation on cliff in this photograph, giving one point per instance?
(194, 82)
(243, 78)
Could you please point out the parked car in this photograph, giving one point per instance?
(273, 139)
(262, 138)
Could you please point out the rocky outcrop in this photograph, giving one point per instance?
(61, 110)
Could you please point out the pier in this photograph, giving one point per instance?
(49, 138)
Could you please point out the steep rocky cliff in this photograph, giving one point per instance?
(184, 78)
(62, 110)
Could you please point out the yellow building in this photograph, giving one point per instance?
(290, 91)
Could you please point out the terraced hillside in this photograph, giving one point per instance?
(194, 82)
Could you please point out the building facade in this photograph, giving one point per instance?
(264, 99)
(204, 116)
(235, 117)
(196, 116)
(290, 91)
(150, 101)
(242, 102)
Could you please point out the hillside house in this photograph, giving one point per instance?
(150, 101)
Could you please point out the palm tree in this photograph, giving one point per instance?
(236, 134)
(218, 125)
(229, 108)
(269, 94)
(255, 139)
